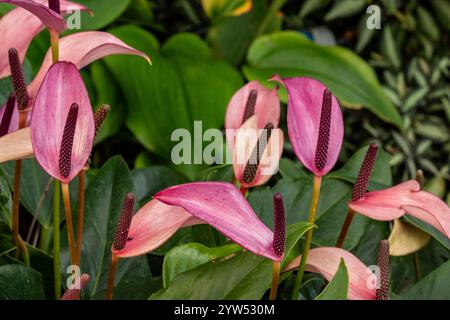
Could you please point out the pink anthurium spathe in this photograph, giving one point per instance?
(325, 260)
(256, 153)
(19, 26)
(62, 125)
(256, 143)
(216, 203)
(81, 49)
(251, 100)
(405, 198)
(315, 123)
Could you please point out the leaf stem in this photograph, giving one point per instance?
(345, 228)
(275, 278)
(112, 276)
(312, 217)
(69, 223)
(22, 248)
(80, 223)
(56, 239)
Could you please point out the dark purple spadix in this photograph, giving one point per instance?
(123, 227)
(55, 6)
(74, 294)
(362, 181)
(279, 225)
(18, 80)
(250, 106)
(383, 264)
(65, 152)
(7, 115)
(100, 115)
(252, 165)
(323, 139)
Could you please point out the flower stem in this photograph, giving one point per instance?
(16, 201)
(69, 224)
(275, 277)
(81, 183)
(345, 228)
(244, 191)
(309, 235)
(54, 39)
(56, 239)
(111, 276)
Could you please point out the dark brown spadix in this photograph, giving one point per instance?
(250, 105)
(55, 6)
(74, 294)
(279, 225)
(18, 80)
(123, 227)
(255, 158)
(65, 152)
(100, 115)
(323, 139)
(362, 181)
(383, 264)
(7, 115)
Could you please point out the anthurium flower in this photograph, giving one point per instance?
(256, 152)
(81, 49)
(251, 100)
(217, 203)
(315, 124)
(62, 125)
(251, 123)
(19, 26)
(325, 260)
(405, 198)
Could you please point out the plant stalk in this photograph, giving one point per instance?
(80, 223)
(312, 217)
(275, 278)
(69, 223)
(22, 248)
(56, 239)
(112, 276)
(345, 228)
(54, 39)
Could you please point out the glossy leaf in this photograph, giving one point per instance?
(18, 282)
(432, 287)
(244, 276)
(191, 255)
(337, 288)
(200, 87)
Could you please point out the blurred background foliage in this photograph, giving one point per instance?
(393, 83)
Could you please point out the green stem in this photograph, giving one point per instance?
(309, 235)
(43, 238)
(273, 9)
(56, 239)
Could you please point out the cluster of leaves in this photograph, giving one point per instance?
(202, 52)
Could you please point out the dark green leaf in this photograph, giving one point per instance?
(190, 256)
(20, 283)
(337, 288)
